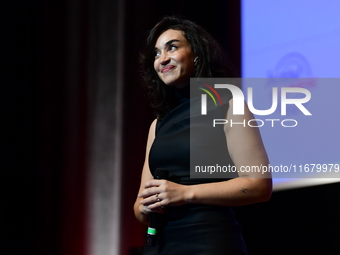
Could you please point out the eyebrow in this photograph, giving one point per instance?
(169, 42)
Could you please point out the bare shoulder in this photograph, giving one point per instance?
(238, 119)
(152, 130)
(146, 175)
(244, 142)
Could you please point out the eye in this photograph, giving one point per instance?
(172, 47)
(157, 54)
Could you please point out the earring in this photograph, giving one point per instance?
(196, 60)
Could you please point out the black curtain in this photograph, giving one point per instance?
(42, 145)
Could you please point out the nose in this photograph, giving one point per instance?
(164, 59)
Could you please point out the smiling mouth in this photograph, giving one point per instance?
(167, 69)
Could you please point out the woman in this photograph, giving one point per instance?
(196, 213)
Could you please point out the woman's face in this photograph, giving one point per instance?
(174, 59)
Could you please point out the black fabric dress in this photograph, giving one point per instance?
(189, 229)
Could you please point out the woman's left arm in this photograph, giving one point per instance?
(246, 149)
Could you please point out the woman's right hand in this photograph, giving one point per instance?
(146, 211)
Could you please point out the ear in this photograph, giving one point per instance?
(196, 60)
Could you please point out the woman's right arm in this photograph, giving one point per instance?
(141, 211)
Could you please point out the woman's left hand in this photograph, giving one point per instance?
(160, 193)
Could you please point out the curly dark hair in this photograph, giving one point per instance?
(212, 61)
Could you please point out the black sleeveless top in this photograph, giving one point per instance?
(190, 229)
